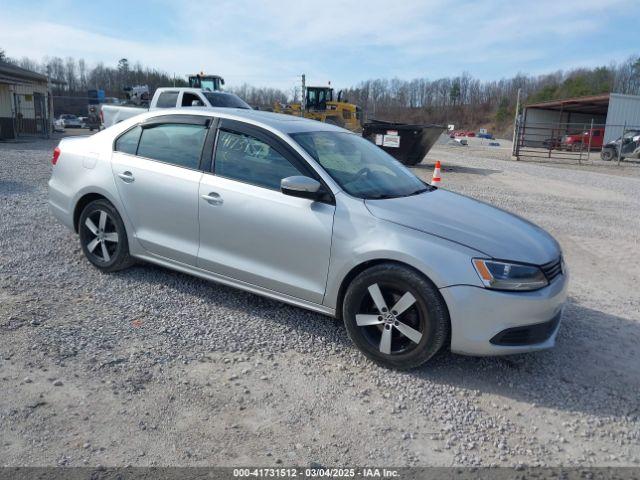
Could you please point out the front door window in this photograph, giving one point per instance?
(246, 159)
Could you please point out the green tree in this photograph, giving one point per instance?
(123, 71)
(602, 80)
(548, 92)
(576, 86)
(454, 92)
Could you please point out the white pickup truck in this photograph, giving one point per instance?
(172, 98)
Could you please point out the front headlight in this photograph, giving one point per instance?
(509, 276)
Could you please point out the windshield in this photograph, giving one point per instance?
(208, 84)
(227, 100)
(359, 167)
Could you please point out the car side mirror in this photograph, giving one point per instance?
(303, 187)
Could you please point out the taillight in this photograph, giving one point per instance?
(56, 154)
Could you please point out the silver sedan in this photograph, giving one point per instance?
(315, 216)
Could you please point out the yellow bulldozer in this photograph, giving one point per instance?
(320, 105)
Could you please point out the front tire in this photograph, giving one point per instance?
(396, 316)
(103, 237)
(607, 154)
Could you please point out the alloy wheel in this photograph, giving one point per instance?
(392, 330)
(102, 236)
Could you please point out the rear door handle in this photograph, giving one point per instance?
(126, 177)
(213, 198)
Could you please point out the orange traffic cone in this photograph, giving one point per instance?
(436, 180)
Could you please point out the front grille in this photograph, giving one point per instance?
(528, 334)
(552, 269)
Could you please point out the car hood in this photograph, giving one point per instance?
(477, 225)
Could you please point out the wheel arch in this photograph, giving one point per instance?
(361, 267)
(88, 196)
(82, 203)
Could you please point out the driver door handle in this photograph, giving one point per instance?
(213, 198)
(126, 177)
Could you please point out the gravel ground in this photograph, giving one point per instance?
(152, 367)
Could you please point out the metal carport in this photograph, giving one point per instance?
(542, 125)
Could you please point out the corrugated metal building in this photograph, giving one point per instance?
(623, 110)
(547, 120)
(25, 102)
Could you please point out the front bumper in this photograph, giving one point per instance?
(480, 315)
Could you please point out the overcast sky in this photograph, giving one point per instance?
(270, 43)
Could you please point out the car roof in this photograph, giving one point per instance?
(195, 90)
(218, 92)
(277, 121)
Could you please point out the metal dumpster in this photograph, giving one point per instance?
(408, 143)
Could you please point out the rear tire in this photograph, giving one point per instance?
(396, 316)
(103, 237)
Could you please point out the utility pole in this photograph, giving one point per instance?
(624, 130)
(303, 98)
(590, 136)
(514, 149)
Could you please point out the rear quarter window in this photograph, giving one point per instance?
(128, 141)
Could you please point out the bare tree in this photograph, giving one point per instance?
(71, 75)
(82, 71)
(463, 100)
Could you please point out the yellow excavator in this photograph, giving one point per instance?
(320, 105)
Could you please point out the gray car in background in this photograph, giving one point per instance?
(70, 121)
(315, 216)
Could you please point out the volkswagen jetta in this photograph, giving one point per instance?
(315, 216)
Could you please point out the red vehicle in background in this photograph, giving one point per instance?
(458, 133)
(582, 141)
(463, 133)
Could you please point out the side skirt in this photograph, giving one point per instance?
(231, 282)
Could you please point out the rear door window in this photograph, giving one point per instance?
(191, 100)
(177, 144)
(167, 100)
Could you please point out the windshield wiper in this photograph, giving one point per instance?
(382, 197)
(417, 192)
